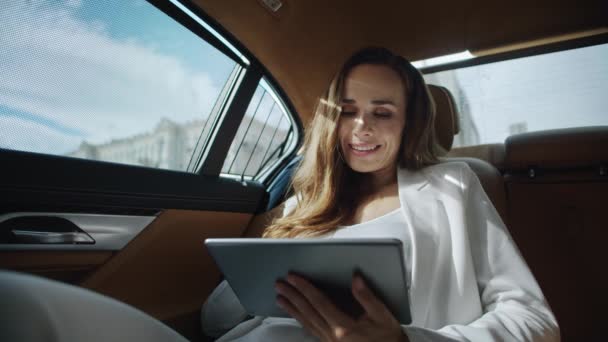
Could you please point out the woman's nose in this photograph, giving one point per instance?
(362, 126)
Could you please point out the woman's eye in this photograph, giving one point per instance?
(347, 113)
(383, 114)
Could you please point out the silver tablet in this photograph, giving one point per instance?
(251, 267)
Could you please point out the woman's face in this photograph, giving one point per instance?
(372, 118)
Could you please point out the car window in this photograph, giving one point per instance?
(117, 81)
(554, 90)
(266, 135)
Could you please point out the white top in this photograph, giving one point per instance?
(468, 281)
(389, 225)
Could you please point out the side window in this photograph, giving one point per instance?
(266, 135)
(117, 81)
(555, 90)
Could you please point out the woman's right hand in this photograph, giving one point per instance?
(309, 306)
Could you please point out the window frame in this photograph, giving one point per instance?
(521, 53)
(210, 160)
(268, 171)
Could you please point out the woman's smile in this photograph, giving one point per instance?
(363, 150)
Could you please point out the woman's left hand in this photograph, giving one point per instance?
(311, 307)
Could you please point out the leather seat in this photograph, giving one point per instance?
(446, 127)
(557, 181)
(34, 309)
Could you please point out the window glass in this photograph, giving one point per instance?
(111, 80)
(264, 137)
(556, 90)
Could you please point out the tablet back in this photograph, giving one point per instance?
(252, 266)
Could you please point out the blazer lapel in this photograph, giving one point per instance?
(419, 205)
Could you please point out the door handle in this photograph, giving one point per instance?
(45, 237)
(42, 230)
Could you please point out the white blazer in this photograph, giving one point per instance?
(469, 281)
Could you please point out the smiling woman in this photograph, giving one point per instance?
(364, 86)
(370, 169)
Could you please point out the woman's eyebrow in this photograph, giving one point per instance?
(376, 102)
(384, 102)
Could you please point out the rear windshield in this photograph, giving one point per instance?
(555, 90)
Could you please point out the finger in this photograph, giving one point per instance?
(320, 302)
(284, 304)
(376, 310)
(302, 306)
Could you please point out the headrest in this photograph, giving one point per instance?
(446, 120)
(558, 148)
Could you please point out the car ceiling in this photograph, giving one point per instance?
(304, 42)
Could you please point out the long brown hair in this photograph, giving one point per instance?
(324, 199)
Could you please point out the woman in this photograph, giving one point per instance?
(370, 169)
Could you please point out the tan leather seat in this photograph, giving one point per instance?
(446, 127)
(446, 119)
(557, 183)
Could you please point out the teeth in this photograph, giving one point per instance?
(363, 148)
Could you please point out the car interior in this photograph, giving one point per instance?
(87, 230)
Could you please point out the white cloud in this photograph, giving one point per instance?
(58, 67)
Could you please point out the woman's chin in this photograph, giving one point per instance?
(357, 167)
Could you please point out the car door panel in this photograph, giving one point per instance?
(166, 271)
(149, 226)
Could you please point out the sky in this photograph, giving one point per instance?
(87, 70)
